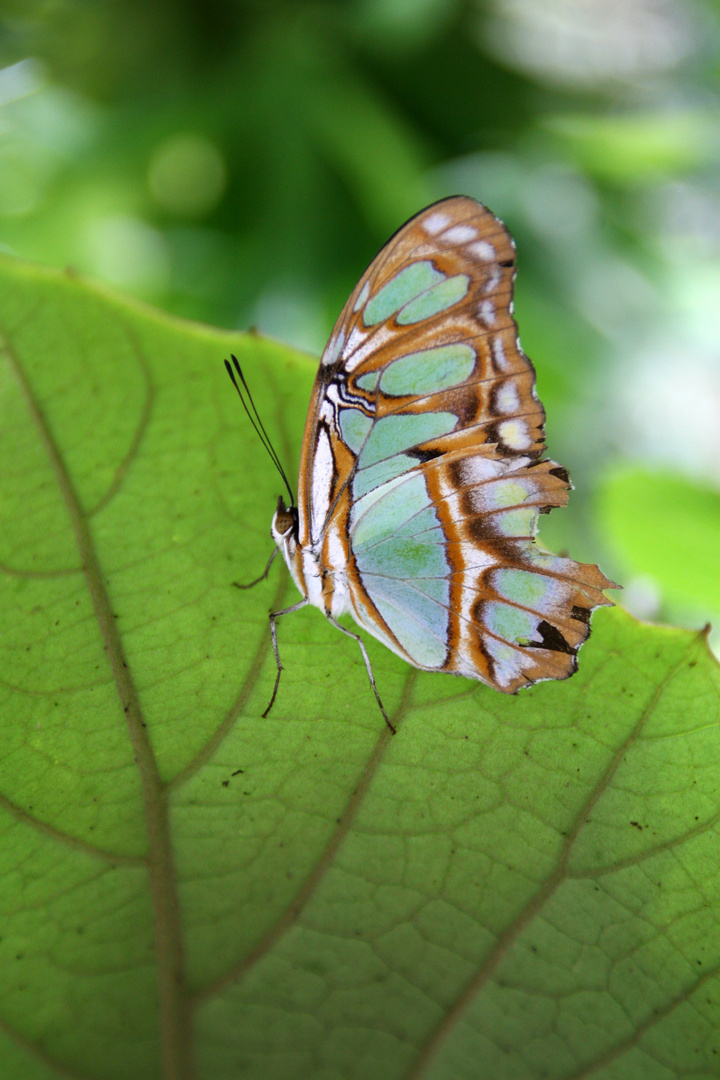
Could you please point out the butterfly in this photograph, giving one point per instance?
(421, 470)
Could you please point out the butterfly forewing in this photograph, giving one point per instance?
(421, 477)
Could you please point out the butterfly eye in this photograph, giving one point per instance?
(284, 523)
(285, 517)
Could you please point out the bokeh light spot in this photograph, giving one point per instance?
(187, 175)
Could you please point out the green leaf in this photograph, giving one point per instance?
(510, 887)
(667, 527)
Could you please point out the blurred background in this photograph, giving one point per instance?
(241, 163)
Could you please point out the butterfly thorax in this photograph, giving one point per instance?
(324, 585)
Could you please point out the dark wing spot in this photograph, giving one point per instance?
(506, 262)
(562, 474)
(580, 614)
(329, 373)
(552, 639)
(494, 437)
(479, 528)
(477, 617)
(424, 455)
(502, 550)
(508, 551)
(487, 657)
(456, 474)
(465, 403)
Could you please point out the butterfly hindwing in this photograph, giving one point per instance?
(421, 475)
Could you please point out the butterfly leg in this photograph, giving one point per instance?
(262, 577)
(273, 616)
(368, 668)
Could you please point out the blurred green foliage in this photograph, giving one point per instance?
(679, 551)
(240, 163)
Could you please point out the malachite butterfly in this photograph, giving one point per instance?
(421, 469)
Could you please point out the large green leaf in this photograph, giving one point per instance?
(509, 888)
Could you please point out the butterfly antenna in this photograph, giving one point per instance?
(255, 420)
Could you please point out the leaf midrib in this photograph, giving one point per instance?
(173, 1004)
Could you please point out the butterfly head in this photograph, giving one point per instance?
(285, 528)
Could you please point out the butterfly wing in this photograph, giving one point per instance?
(421, 475)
